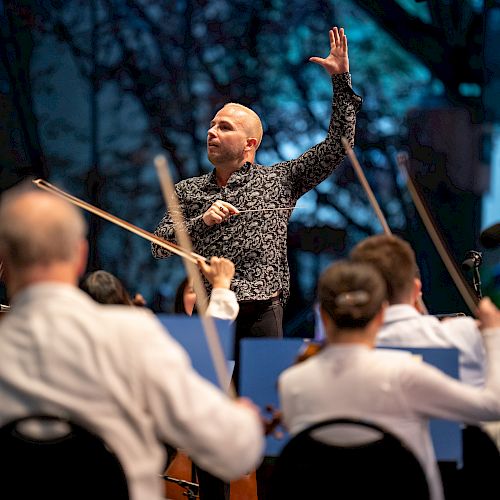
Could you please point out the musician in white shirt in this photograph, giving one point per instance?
(115, 368)
(349, 378)
(404, 325)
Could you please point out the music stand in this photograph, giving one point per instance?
(188, 331)
(262, 360)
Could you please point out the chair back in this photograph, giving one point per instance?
(312, 465)
(51, 457)
(481, 465)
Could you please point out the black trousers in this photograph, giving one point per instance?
(257, 318)
(260, 318)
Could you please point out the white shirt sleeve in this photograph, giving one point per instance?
(223, 304)
(430, 392)
(190, 413)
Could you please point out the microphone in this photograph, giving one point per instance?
(490, 237)
(472, 260)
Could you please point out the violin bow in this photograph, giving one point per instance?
(171, 247)
(373, 201)
(429, 224)
(211, 334)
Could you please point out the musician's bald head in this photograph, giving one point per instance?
(250, 120)
(40, 235)
(234, 135)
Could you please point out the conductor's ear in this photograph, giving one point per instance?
(251, 143)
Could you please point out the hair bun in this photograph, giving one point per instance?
(354, 298)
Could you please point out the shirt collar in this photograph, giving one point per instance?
(399, 312)
(346, 348)
(235, 176)
(47, 290)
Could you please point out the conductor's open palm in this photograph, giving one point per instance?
(337, 61)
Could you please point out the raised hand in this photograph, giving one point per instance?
(337, 60)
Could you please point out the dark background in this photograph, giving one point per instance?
(91, 91)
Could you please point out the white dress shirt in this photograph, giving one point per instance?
(404, 326)
(223, 304)
(118, 370)
(391, 389)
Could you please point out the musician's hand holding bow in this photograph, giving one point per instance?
(488, 314)
(269, 424)
(219, 273)
(218, 212)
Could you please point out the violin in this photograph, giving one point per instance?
(271, 424)
(310, 349)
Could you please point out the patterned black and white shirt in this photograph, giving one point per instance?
(257, 243)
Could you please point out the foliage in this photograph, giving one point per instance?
(116, 81)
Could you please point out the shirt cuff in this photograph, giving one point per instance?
(223, 304)
(343, 83)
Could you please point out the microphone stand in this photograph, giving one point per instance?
(476, 282)
(472, 261)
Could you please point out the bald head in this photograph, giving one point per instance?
(38, 228)
(248, 119)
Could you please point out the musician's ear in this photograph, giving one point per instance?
(378, 319)
(81, 257)
(325, 318)
(417, 287)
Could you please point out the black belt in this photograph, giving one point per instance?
(253, 306)
(259, 301)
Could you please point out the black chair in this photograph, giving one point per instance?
(479, 475)
(50, 457)
(383, 467)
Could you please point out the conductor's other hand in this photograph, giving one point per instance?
(337, 61)
(219, 273)
(219, 212)
(488, 314)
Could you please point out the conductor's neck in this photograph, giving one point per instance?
(224, 170)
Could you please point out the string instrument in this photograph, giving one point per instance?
(312, 348)
(182, 474)
(181, 469)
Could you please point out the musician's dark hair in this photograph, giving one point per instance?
(179, 307)
(351, 293)
(105, 288)
(179, 297)
(394, 259)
